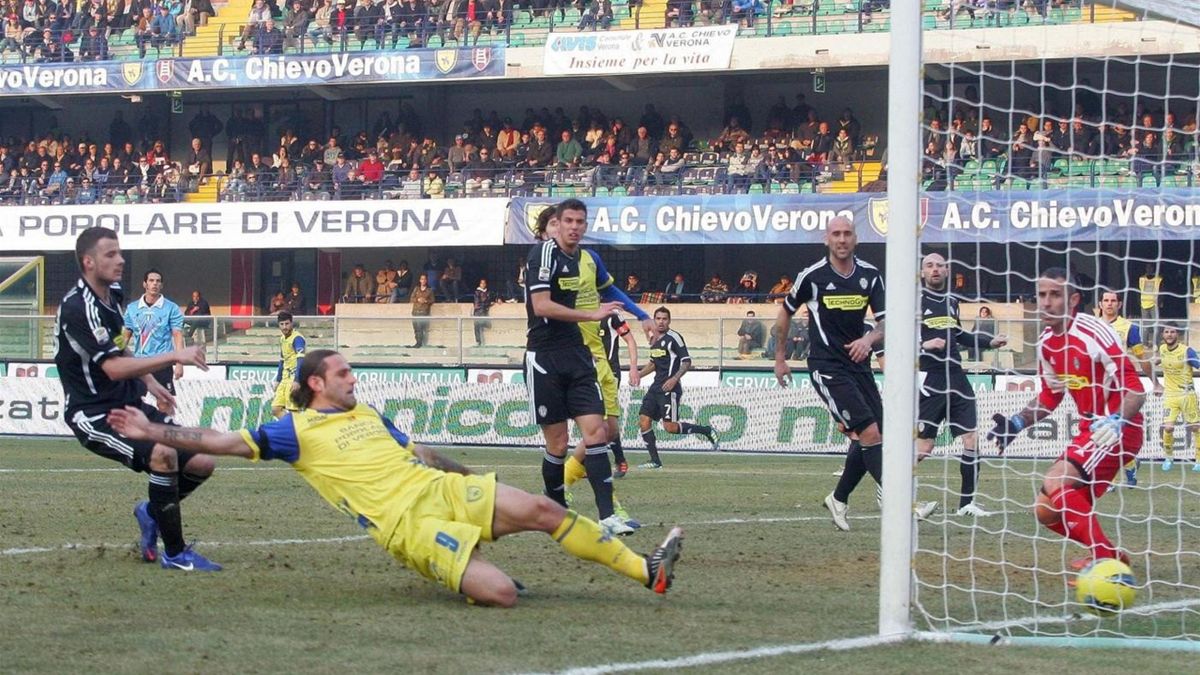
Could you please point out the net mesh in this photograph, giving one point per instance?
(1088, 164)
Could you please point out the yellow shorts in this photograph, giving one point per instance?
(1185, 405)
(443, 526)
(283, 395)
(609, 386)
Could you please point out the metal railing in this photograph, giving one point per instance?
(454, 341)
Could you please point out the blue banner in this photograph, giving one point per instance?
(252, 71)
(997, 216)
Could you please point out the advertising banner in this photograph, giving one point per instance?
(639, 51)
(947, 217)
(250, 225)
(180, 74)
(778, 420)
(47, 369)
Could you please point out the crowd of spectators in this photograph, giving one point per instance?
(1143, 142)
(47, 31)
(490, 154)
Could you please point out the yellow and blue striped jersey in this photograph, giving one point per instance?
(1179, 365)
(1131, 336)
(593, 278)
(357, 460)
(291, 355)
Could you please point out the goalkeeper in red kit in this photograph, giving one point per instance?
(1080, 355)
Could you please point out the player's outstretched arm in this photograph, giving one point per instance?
(438, 461)
(130, 368)
(634, 371)
(1006, 429)
(132, 423)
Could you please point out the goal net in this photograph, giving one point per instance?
(1085, 159)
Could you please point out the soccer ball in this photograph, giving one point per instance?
(1106, 587)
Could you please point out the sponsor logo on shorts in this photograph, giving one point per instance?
(446, 541)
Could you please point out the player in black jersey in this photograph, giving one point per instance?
(613, 330)
(98, 375)
(669, 360)
(559, 371)
(838, 290)
(946, 394)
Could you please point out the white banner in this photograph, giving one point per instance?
(497, 414)
(226, 225)
(640, 51)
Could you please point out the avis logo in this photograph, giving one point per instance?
(571, 43)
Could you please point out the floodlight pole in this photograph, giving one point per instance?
(905, 80)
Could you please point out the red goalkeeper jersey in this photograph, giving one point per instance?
(1088, 362)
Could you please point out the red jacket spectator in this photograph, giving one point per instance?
(371, 169)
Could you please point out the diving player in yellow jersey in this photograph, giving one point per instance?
(595, 283)
(1131, 340)
(1180, 364)
(291, 356)
(426, 510)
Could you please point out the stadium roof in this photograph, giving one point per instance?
(1187, 11)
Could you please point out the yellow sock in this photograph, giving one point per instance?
(1168, 443)
(1129, 466)
(573, 471)
(584, 539)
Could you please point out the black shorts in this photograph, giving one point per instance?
(165, 377)
(946, 398)
(562, 385)
(661, 405)
(850, 395)
(95, 434)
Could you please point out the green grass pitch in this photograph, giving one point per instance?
(304, 591)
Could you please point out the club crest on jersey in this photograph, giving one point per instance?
(879, 211)
(863, 283)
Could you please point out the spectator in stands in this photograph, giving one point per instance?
(642, 148)
(456, 155)
(747, 288)
(750, 335)
(278, 304)
(842, 151)
(674, 292)
(295, 23)
(990, 144)
(569, 153)
(387, 26)
(193, 326)
(714, 291)
(259, 13)
(670, 172)
(384, 286)
(370, 170)
(143, 30)
(731, 135)
(745, 11)
(541, 152)
(296, 303)
(483, 301)
(94, 45)
(422, 306)
(413, 185)
(633, 285)
(163, 29)
(358, 286)
(738, 171)
(673, 139)
(199, 164)
(599, 13)
(780, 290)
(1044, 150)
(797, 338)
(680, 13)
(480, 172)
(507, 140)
(366, 16)
(404, 283)
(12, 38)
(451, 281)
(984, 323)
(320, 28)
(318, 181)
(468, 15)
(1020, 154)
(433, 186)
(1145, 156)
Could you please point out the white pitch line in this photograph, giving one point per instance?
(117, 469)
(1140, 610)
(712, 658)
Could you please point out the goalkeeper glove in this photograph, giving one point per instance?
(1006, 430)
(1106, 431)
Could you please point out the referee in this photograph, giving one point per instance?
(838, 289)
(98, 375)
(946, 394)
(153, 326)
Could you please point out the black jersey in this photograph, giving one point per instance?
(548, 268)
(668, 352)
(612, 330)
(87, 331)
(837, 307)
(940, 319)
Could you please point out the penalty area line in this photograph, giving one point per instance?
(713, 658)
